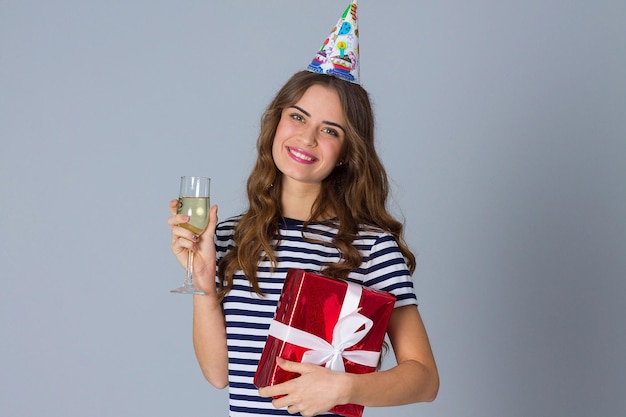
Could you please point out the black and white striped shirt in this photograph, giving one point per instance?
(248, 315)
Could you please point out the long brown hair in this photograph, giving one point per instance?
(355, 192)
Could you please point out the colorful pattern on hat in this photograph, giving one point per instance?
(339, 54)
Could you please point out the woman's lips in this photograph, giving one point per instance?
(300, 155)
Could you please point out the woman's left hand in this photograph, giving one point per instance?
(315, 391)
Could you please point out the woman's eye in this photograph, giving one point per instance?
(297, 117)
(330, 131)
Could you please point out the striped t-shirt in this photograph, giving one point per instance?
(248, 315)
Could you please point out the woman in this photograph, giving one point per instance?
(317, 201)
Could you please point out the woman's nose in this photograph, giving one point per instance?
(308, 136)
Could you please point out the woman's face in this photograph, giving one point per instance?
(310, 136)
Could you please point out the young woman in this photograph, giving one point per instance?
(317, 201)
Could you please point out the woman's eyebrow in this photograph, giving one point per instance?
(334, 124)
(307, 114)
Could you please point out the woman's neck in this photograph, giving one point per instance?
(297, 200)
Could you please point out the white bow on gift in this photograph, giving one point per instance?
(351, 328)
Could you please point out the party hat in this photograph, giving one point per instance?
(339, 54)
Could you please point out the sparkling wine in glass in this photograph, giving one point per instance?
(193, 201)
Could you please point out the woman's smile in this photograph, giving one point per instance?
(299, 155)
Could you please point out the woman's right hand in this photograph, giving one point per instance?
(203, 246)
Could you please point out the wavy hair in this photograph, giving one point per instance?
(355, 192)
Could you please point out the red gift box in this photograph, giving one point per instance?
(328, 322)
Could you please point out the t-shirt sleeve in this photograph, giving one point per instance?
(223, 240)
(386, 269)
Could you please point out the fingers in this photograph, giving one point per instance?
(290, 402)
(285, 388)
(184, 239)
(266, 392)
(210, 230)
(295, 408)
(180, 235)
(176, 219)
(306, 394)
(173, 206)
(296, 367)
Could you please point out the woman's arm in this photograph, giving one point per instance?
(413, 379)
(209, 339)
(209, 329)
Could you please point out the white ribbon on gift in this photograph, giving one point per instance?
(346, 334)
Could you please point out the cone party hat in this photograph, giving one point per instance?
(339, 54)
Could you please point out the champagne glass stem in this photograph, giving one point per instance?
(189, 277)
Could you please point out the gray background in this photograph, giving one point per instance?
(502, 127)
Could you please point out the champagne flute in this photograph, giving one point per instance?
(193, 201)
